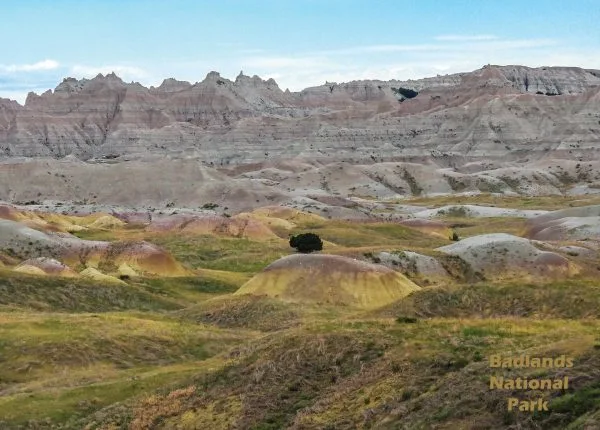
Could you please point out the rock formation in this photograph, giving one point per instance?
(498, 129)
(233, 122)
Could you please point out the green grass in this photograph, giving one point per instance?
(350, 234)
(103, 235)
(228, 254)
(575, 299)
(466, 226)
(78, 354)
(75, 295)
(245, 311)
(69, 404)
(186, 290)
(101, 359)
(337, 371)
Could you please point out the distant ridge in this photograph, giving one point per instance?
(496, 129)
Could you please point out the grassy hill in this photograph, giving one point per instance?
(187, 352)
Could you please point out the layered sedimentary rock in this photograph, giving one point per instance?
(330, 279)
(246, 143)
(495, 111)
(506, 256)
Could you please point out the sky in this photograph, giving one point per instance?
(299, 43)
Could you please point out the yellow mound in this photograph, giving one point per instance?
(107, 222)
(125, 269)
(218, 225)
(96, 275)
(31, 219)
(249, 227)
(329, 279)
(288, 214)
(88, 219)
(144, 257)
(73, 223)
(267, 221)
(30, 270)
(162, 265)
(49, 266)
(49, 221)
(61, 222)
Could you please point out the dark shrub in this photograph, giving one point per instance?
(306, 242)
(406, 320)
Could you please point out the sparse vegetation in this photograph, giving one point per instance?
(415, 188)
(189, 353)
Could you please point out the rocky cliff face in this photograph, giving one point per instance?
(496, 110)
(463, 132)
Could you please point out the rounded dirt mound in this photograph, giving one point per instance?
(212, 225)
(503, 255)
(329, 279)
(107, 222)
(580, 223)
(144, 257)
(48, 266)
(96, 275)
(287, 214)
(29, 270)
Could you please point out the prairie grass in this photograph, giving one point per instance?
(188, 353)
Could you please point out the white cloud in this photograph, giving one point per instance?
(20, 96)
(276, 62)
(452, 54)
(508, 44)
(444, 54)
(39, 66)
(123, 71)
(464, 38)
(251, 51)
(16, 81)
(396, 48)
(460, 46)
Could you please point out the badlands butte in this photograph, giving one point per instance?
(147, 282)
(508, 129)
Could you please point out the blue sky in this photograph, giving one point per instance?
(299, 43)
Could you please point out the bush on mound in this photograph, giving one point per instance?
(306, 243)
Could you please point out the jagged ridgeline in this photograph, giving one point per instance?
(252, 120)
(489, 130)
